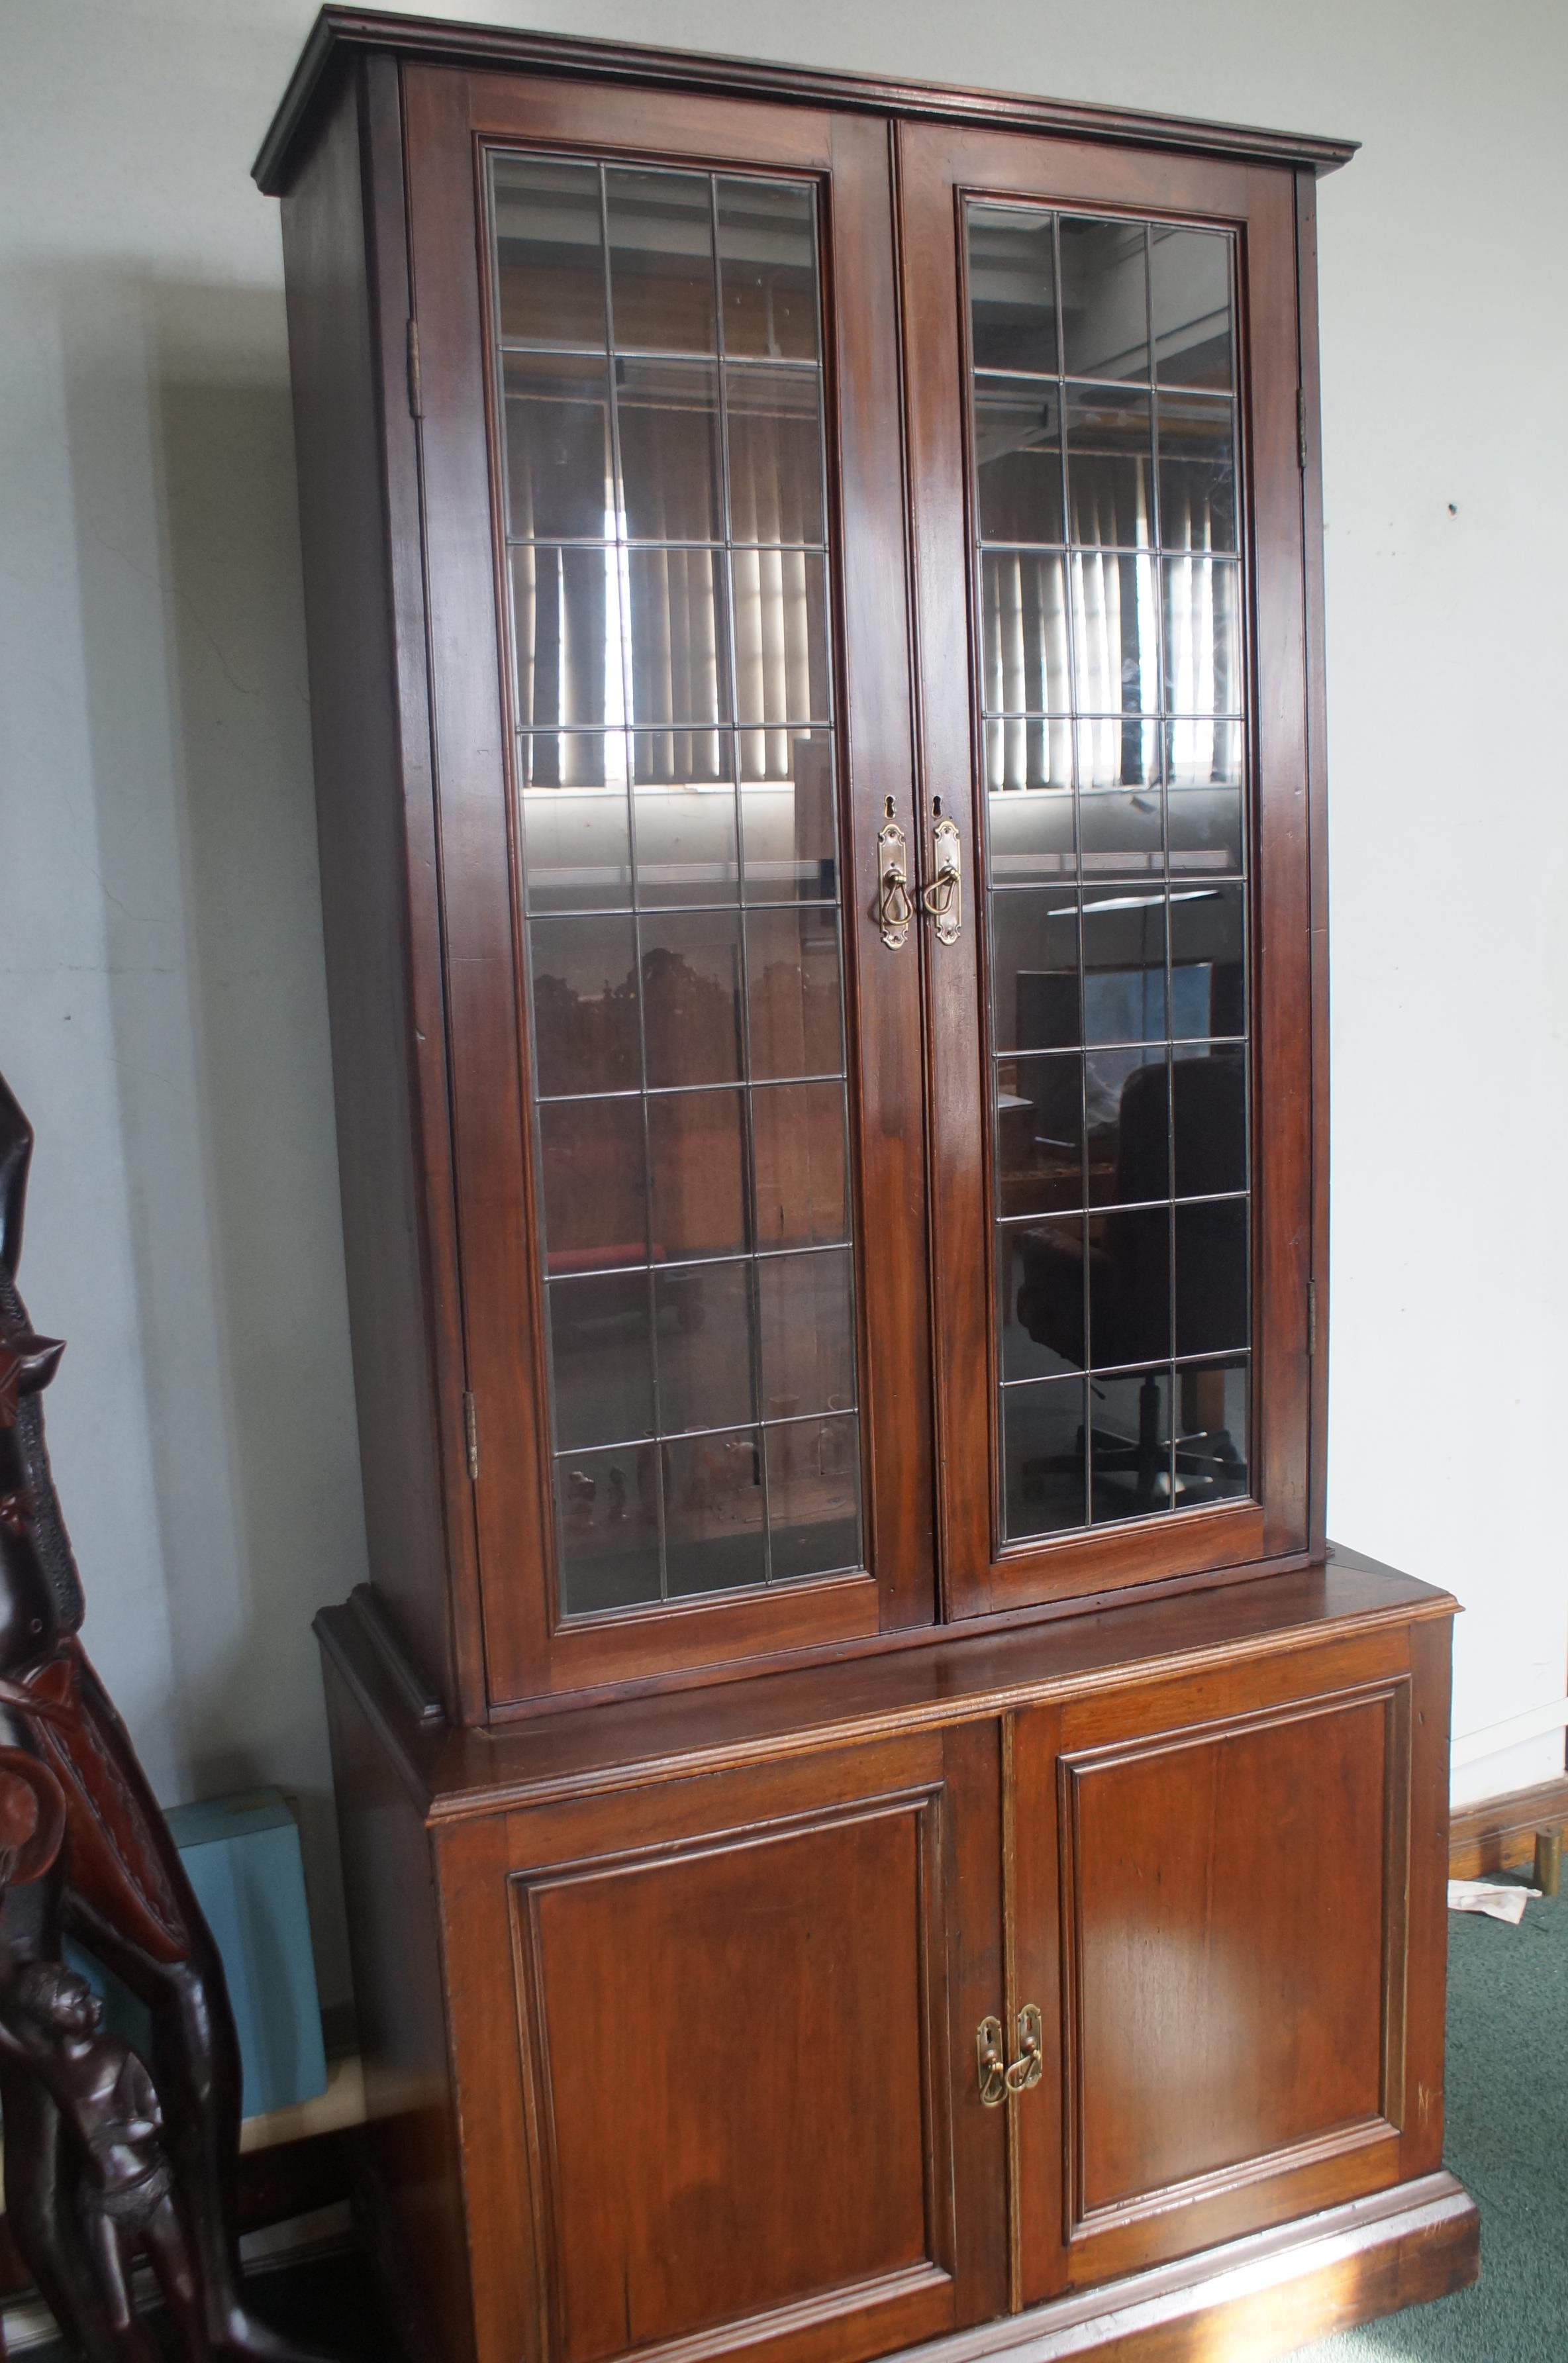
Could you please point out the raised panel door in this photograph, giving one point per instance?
(709, 2081)
(1216, 1887)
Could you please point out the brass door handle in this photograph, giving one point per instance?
(942, 900)
(997, 2075)
(992, 2065)
(895, 903)
(1030, 2065)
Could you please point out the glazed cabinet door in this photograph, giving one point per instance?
(710, 2041)
(1107, 513)
(663, 503)
(1228, 1906)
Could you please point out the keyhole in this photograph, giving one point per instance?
(888, 807)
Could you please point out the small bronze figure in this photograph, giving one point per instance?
(113, 1880)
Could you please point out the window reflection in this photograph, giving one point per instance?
(661, 401)
(1112, 670)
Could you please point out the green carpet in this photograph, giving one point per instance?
(1508, 2142)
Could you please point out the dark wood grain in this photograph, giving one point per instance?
(339, 32)
(669, 1981)
(378, 978)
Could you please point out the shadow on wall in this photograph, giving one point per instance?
(183, 479)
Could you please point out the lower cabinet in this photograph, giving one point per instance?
(829, 2050)
(704, 2028)
(1220, 1891)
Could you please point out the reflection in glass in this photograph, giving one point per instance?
(1129, 1446)
(1116, 665)
(781, 660)
(661, 262)
(576, 845)
(1034, 969)
(600, 1358)
(1111, 691)
(1040, 1134)
(671, 633)
(1202, 627)
(1105, 318)
(1209, 1114)
(548, 252)
(1120, 835)
(671, 464)
(557, 447)
(566, 621)
(768, 260)
(1127, 1108)
(776, 455)
(1190, 290)
(585, 1006)
(704, 1345)
(1211, 1276)
(795, 995)
(1044, 1461)
(691, 997)
(1013, 288)
(1024, 646)
(1203, 829)
(1042, 1268)
(808, 1338)
(607, 1525)
(697, 1165)
(591, 1163)
(714, 1536)
(1124, 964)
(1208, 976)
(1018, 459)
(788, 831)
(1110, 467)
(684, 804)
(1212, 1431)
(1129, 1286)
(679, 668)
(802, 1173)
(814, 1497)
(1197, 476)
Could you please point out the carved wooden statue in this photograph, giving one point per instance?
(103, 2154)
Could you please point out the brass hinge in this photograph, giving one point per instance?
(470, 1433)
(1311, 1318)
(415, 390)
(1301, 426)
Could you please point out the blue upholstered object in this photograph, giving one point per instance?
(242, 1855)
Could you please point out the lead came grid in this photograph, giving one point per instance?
(661, 386)
(1105, 442)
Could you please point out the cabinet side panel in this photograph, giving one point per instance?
(410, 2177)
(364, 878)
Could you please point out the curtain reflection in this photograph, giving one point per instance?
(661, 397)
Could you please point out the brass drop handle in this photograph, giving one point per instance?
(997, 2075)
(942, 900)
(1030, 2065)
(992, 2064)
(895, 903)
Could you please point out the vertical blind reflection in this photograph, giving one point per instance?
(661, 401)
(1110, 669)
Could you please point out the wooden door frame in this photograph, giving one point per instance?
(1281, 1525)
(451, 118)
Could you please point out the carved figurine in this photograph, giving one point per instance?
(51, 2022)
(115, 1882)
